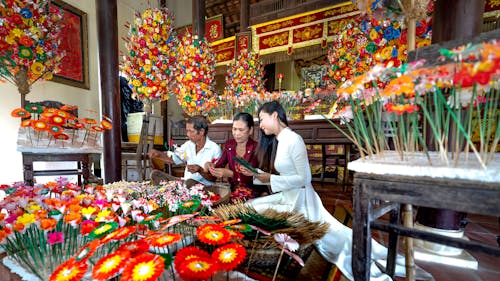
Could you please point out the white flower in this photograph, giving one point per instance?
(286, 241)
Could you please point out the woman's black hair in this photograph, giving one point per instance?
(266, 150)
(245, 117)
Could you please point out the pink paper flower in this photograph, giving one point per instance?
(54, 238)
(286, 241)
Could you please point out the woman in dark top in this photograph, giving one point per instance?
(242, 146)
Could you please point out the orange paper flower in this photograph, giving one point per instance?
(215, 236)
(145, 267)
(110, 265)
(229, 256)
(69, 271)
(197, 269)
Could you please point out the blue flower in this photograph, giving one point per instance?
(26, 13)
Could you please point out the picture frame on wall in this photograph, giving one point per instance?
(74, 68)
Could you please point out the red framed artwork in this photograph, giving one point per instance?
(74, 68)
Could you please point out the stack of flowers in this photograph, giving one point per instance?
(468, 102)
(195, 75)
(244, 80)
(29, 35)
(45, 225)
(60, 128)
(150, 57)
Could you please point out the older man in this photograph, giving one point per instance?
(198, 150)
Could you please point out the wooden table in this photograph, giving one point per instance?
(375, 195)
(83, 160)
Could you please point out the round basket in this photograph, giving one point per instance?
(224, 192)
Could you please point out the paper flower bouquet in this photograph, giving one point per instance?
(421, 108)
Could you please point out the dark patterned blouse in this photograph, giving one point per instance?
(228, 153)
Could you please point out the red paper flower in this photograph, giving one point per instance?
(106, 124)
(215, 236)
(135, 247)
(145, 267)
(87, 226)
(229, 256)
(110, 265)
(61, 136)
(197, 269)
(188, 253)
(69, 271)
(40, 126)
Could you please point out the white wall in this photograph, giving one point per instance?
(86, 100)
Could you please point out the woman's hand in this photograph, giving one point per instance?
(221, 172)
(263, 177)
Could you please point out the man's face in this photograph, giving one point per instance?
(193, 135)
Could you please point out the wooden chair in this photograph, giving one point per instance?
(140, 160)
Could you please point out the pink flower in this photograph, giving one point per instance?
(55, 238)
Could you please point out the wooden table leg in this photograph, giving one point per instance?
(86, 168)
(392, 245)
(361, 235)
(28, 170)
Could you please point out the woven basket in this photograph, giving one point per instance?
(262, 257)
(224, 192)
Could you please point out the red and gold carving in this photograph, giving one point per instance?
(307, 33)
(274, 40)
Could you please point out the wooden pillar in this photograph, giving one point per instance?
(456, 19)
(199, 18)
(244, 15)
(107, 35)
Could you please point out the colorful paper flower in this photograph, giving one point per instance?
(145, 267)
(197, 269)
(214, 236)
(135, 247)
(229, 256)
(87, 251)
(102, 230)
(188, 253)
(163, 240)
(70, 270)
(286, 241)
(119, 234)
(20, 112)
(110, 265)
(55, 238)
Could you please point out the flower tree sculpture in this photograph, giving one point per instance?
(29, 38)
(244, 80)
(150, 55)
(195, 75)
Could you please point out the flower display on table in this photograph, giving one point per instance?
(244, 80)
(460, 96)
(30, 32)
(52, 127)
(151, 54)
(195, 74)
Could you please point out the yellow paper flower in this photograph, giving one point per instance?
(87, 212)
(26, 219)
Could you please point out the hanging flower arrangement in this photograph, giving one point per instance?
(30, 32)
(150, 54)
(195, 76)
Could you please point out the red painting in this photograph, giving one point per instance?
(74, 65)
